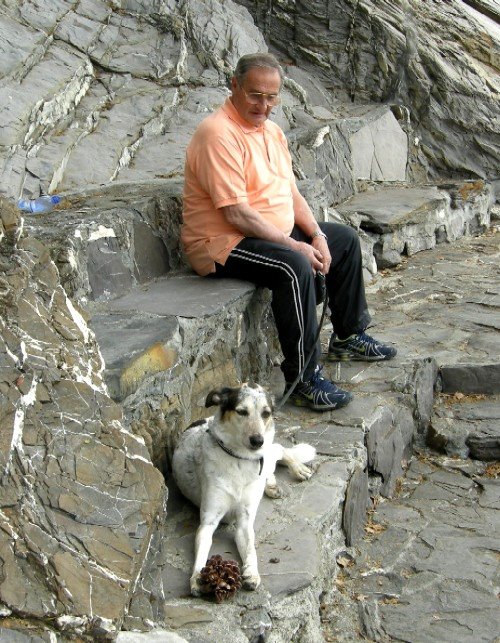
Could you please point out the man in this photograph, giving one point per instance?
(244, 218)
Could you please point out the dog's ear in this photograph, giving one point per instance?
(226, 398)
(220, 396)
(214, 398)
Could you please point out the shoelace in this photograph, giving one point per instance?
(365, 339)
(320, 382)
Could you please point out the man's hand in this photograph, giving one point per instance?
(320, 244)
(314, 255)
(304, 218)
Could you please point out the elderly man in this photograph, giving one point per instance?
(245, 218)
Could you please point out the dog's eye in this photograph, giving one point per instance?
(241, 411)
(266, 414)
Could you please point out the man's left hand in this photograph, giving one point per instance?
(320, 244)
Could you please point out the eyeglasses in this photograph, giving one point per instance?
(255, 98)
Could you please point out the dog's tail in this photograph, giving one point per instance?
(302, 452)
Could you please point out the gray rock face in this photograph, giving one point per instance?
(437, 62)
(95, 88)
(79, 493)
(100, 95)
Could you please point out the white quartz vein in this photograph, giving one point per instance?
(17, 433)
(79, 321)
(101, 232)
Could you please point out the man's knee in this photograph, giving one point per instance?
(342, 237)
(295, 270)
(302, 270)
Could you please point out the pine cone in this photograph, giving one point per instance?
(220, 577)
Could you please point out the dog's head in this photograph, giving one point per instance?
(245, 416)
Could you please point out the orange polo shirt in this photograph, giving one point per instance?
(230, 161)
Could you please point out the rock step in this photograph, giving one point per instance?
(434, 314)
(294, 556)
(149, 330)
(179, 336)
(467, 426)
(404, 220)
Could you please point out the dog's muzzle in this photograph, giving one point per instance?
(256, 441)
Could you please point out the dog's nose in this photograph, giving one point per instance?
(256, 441)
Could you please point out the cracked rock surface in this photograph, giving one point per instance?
(428, 566)
(79, 493)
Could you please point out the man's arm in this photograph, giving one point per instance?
(304, 218)
(251, 224)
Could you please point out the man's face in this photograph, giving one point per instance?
(263, 80)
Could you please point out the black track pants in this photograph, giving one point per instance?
(289, 276)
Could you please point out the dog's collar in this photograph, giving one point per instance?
(235, 455)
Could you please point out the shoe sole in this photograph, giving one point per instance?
(300, 401)
(353, 357)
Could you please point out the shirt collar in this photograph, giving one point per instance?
(233, 114)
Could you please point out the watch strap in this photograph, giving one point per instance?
(318, 233)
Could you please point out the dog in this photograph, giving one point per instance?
(225, 463)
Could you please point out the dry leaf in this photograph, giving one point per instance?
(492, 470)
(374, 528)
(391, 601)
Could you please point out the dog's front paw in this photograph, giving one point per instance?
(196, 585)
(251, 581)
(301, 472)
(273, 491)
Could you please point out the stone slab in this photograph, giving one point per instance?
(466, 426)
(484, 441)
(373, 157)
(183, 296)
(295, 552)
(334, 440)
(471, 378)
(8, 635)
(155, 636)
(355, 506)
(389, 208)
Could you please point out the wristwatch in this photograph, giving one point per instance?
(318, 233)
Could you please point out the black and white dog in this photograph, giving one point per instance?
(225, 463)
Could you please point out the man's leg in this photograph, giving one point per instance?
(344, 282)
(290, 278)
(289, 275)
(346, 294)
